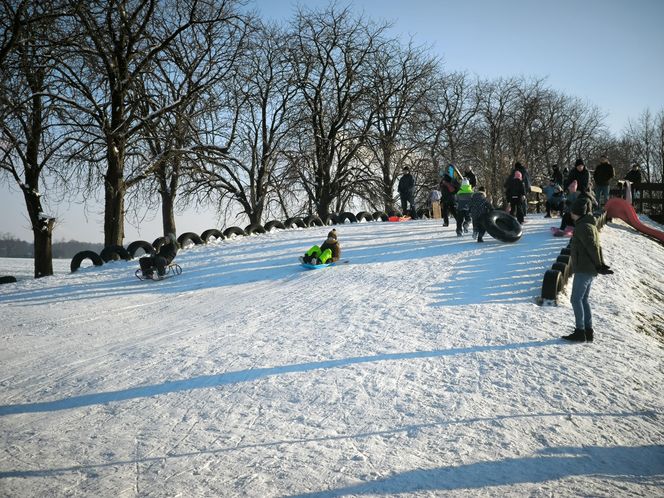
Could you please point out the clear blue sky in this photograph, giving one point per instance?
(608, 52)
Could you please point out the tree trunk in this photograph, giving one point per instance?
(167, 212)
(43, 248)
(114, 187)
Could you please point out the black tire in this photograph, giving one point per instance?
(271, 225)
(565, 251)
(380, 215)
(254, 228)
(394, 212)
(157, 243)
(330, 220)
(564, 258)
(364, 216)
(551, 284)
(313, 220)
(234, 231)
(212, 232)
(83, 255)
(423, 214)
(563, 269)
(140, 244)
(190, 236)
(109, 253)
(502, 226)
(9, 279)
(346, 216)
(294, 222)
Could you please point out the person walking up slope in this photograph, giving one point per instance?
(479, 206)
(407, 192)
(515, 192)
(587, 262)
(463, 198)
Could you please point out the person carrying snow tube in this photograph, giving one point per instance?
(159, 261)
(328, 252)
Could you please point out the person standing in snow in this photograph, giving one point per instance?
(462, 206)
(602, 176)
(634, 177)
(587, 262)
(479, 206)
(328, 252)
(515, 193)
(407, 192)
(472, 178)
(582, 176)
(525, 177)
(557, 175)
(448, 188)
(166, 254)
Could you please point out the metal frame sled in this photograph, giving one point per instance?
(171, 270)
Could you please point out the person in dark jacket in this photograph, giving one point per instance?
(407, 192)
(515, 193)
(166, 254)
(634, 177)
(448, 189)
(328, 252)
(557, 175)
(525, 177)
(479, 206)
(582, 176)
(555, 199)
(602, 176)
(587, 262)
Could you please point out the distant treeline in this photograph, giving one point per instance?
(11, 247)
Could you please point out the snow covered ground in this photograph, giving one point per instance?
(421, 368)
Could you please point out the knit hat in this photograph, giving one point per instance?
(579, 162)
(580, 206)
(518, 175)
(332, 234)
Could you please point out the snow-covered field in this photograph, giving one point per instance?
(421, 368)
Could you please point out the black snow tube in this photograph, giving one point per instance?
(109, 253)
(380, 215)
(254, 228)
(313, 220)
(294, 222)
(502, 226)
(234, 231)
(212, 232)
(331, 219)
(140, 244)
(189, 236)
(79, 257)
(364, 216)
(8, 279)
(346, 216)
(271, 225)
(551, 285)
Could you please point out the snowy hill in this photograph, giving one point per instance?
(421, 368)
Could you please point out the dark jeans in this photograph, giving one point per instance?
(448, 209)
(580, 291)
(516, 208)
(462, 221)
(408, 200)
(554, 206)
(478, 227)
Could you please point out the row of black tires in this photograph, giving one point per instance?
(111, 253)
(556, 278)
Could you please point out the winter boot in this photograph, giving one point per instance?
(579, 335)
(589, 334)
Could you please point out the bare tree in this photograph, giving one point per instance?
(30, 128)
(117, 43)
(403, 77)
(331, 52)
(191, 72)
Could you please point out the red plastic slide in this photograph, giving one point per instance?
(620, 208)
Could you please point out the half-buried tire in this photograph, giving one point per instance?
(551, 284)
(183, 238)
(234, 231)
(140, 244)
(254, 228)
(212, 232)
(502, 226)
(82, 256)
(110, 253)
(8, 279)
(271, 225)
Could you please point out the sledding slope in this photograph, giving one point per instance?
(422, 367)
